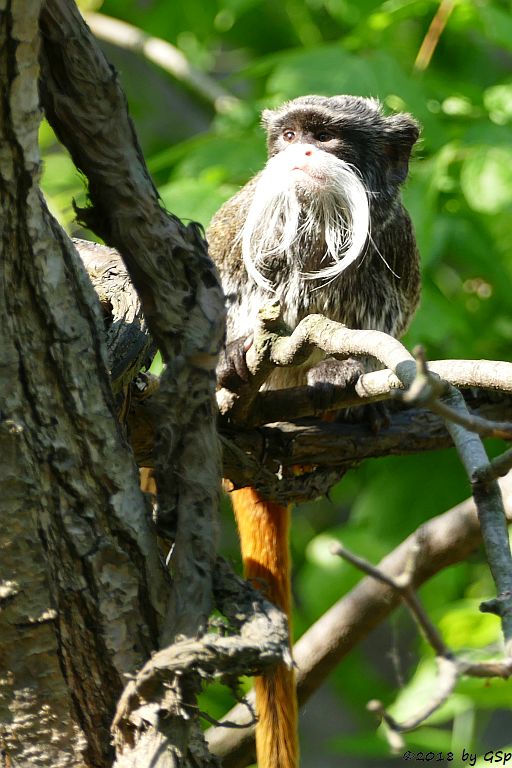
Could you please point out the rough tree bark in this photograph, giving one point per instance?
(83, 593)
(84, 596)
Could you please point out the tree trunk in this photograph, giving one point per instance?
(82, 589)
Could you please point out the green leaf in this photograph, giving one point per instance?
(498, 102)
(486, 178)
(464, 626)
(195, 200)
(497, 24)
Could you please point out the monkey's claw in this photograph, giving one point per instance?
(232, 370)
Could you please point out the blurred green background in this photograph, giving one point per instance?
(199, 129)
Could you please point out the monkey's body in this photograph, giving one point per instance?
(334, 171)
(380, 291)
(374, 294)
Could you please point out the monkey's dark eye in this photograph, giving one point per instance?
(288, 135)
(324, 136)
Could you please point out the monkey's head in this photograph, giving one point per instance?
(334, 172)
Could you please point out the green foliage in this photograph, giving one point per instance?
(460, 197)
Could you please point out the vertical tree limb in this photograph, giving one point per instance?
(184, 308)
(82, 589)
(179, 290)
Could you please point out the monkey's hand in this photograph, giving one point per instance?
(232, 370)
(331, 375)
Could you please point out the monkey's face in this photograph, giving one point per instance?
(310, 210)
(352, 128)
(313, 134)
(328, 157)
(308, 168)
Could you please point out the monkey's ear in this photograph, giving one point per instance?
(267, 118)
(402, 132)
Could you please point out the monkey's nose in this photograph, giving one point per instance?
(305, 151)
(302, 157)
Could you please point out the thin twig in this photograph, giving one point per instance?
(446, 680)
(497, 467)
(450, 669)
(164, 55)
(427, 389)
(433, 35)
(403, 585)
(482, 427)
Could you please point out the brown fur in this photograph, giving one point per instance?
(263, 528)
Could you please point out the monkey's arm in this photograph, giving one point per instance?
(224, 241)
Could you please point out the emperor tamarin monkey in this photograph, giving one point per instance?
(323, 229)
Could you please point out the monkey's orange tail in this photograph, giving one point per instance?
(263, 528)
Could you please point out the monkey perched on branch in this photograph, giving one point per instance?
(322, 228)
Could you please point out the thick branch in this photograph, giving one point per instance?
(253, 640)
(180, 296)
(257, 457)
(88, 590)
(169, 267)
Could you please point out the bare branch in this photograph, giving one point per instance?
(164, 55)
(490, 511)
(450, 668)
(445, 540)
(403, 585)
(449, 401)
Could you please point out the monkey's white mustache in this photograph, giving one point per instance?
(304, 192)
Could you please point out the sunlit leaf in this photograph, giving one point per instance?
(464, 626)
(195, 200)
(498, 101)
(486, 178)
